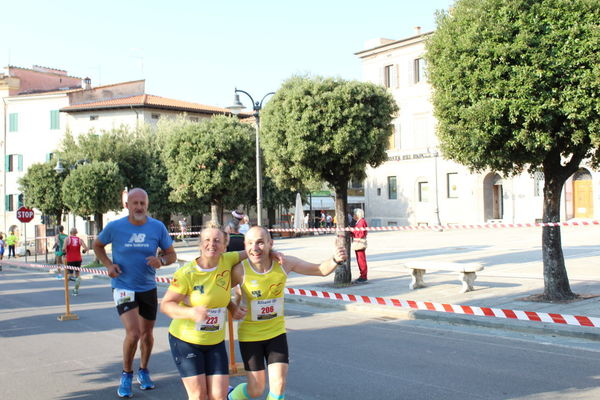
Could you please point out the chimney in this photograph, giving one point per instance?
(87, 83)
(417, 30)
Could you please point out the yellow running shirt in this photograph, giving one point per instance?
(263, 294)
(204, 287)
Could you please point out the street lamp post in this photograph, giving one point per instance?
(256, 107)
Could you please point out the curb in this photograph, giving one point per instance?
(530, 327)
(485, 322)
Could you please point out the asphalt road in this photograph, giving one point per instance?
(334, 354)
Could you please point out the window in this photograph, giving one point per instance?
(13, 162)
(194, 119)
(392, 188)
(54, 119)
(392, 139)
(13, 122)
(13, 201)
(423, 192)
(155, 116)
(390, 76)
(49, 156)
(93, 117)
(378, 191)
(538, 184)
(452, 185)
(420, 70)
(356, 188)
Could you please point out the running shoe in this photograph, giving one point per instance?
(143, 378)
(360, 280)
(124, 389)
(59, 277)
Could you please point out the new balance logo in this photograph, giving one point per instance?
(137, 238)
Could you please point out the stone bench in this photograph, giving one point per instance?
(466, 270)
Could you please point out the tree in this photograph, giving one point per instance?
(137, 155)
(210, 162)
(328, 130)
(94, 189)
(516, 88)
(41, 188)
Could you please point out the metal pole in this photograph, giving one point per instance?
(258, 172)
(437, 203)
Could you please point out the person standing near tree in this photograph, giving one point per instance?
(11, 241)
(359, 243)
(72, 250)
(135, 240)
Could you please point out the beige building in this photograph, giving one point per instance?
(40, 104)
(417, 185)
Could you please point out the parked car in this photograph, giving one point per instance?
(27, 249)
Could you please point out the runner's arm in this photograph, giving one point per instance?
(99, 249)
(171, 307)
(325, 268)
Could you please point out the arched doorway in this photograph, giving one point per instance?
(492, 197)
(583, 196)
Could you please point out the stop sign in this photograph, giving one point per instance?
(24, 214)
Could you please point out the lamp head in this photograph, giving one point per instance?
(59, 167)
(237, 105)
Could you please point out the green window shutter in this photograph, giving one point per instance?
(20, 202)
(7, 163)
(20, 162)
(54, 119)
(13, 122)
(6, 203)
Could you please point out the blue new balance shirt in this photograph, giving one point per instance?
(131, 244)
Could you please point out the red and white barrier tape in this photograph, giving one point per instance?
(561, 319)
(439, 227)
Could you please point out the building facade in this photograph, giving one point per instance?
(417, 185)
(40, 104)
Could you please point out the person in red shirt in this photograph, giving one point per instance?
(360, 237)
(72, 249)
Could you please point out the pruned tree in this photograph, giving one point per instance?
(94, 189)
(516, 88)
(326, 129)
(210, 162)
(42, 188)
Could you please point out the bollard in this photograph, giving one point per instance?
(67, 316)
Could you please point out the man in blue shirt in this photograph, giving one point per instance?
(135, 242)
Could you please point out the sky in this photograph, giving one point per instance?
(200, 51)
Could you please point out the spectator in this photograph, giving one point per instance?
(359, 242)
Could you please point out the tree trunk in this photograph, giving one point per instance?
(99, 222)
(271, 217)
(214, 213)
(343, 275)
(556, 281)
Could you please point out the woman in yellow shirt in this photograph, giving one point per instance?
(197, 300)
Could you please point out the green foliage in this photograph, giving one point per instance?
(325, 130)
(94, 188)
(41, 188)
(210, 162)
(136, 153)
(517, 81)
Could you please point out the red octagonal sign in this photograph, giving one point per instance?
(24, 214)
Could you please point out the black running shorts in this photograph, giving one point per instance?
(273, 350)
